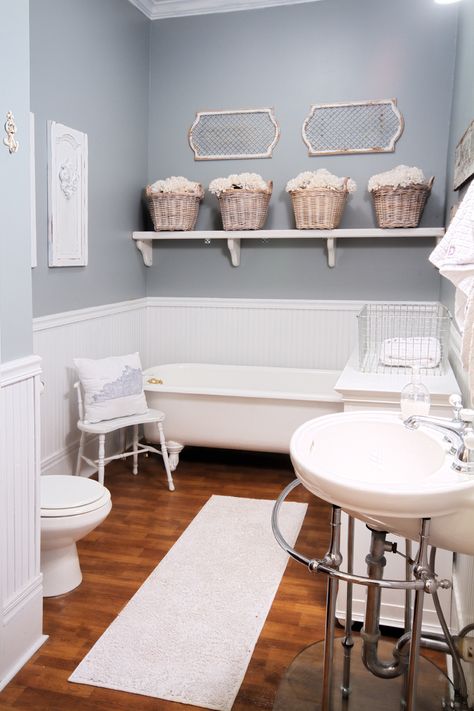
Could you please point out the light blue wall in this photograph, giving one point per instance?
(288, 58)
(89, 70)
(15, 251)
(462, 114)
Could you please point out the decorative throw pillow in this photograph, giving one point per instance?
(113, 387)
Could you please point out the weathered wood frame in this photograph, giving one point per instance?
(390, 148)
(267, 154)
(464, 157)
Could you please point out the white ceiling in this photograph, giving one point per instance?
(160, 9)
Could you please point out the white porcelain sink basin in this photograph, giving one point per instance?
(375, 468)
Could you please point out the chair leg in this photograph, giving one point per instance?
(79, 454)
(122, 440)
(101, 462)
(164, 453)
(135, 449)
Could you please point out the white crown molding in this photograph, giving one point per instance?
(162, 9)
(145, 6)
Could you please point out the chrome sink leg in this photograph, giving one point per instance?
(421, 570)
(408, 612)
(332, 559)
(348, 641)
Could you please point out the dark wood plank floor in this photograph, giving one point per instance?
(145, 521)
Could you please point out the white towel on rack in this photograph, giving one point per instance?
(454, 255)
(423, 351)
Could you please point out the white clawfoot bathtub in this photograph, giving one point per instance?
(236, 407)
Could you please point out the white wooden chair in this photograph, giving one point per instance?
(101, 429)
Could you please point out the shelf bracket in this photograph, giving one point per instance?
(145, 246)
(331, 242)
(234, 249)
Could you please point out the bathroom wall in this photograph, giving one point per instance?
(15, 255)
(289, 58)
(89, 70)
(21, 598)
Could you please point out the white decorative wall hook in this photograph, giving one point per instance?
(10, 129)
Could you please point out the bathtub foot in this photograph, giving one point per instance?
(174, 450)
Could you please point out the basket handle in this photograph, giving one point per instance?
(430, 182)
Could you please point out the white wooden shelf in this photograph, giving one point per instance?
(144, 240)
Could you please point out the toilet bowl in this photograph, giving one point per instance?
(71, 507)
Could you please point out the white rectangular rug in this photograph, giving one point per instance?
(188, 633)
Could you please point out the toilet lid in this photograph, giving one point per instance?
(69, 492)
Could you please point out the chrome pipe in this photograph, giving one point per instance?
(438, 644)
(371, 632)
(408, 614)
(348, 641)
(421, 570)
(459, 679)
(465, 630)
(276, 530)
(408, 575)
(333, 556)
(321, 566)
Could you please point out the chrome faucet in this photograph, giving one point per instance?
(458, 431)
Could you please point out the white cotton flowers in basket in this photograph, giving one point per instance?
(242, 181)
(322, 178)
(400, 177)
(176, 184)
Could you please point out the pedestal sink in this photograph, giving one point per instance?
(377, 470)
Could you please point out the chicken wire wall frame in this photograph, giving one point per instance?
(67, 196)
(230, 135)
(464, 157)
(353, 127)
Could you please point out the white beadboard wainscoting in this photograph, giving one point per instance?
(97, 332)
(305, 334)
(268, 332)
(21, 589)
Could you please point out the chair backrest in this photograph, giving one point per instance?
(80, 403)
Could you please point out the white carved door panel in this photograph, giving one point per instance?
(67, 196)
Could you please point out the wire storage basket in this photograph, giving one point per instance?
(393, 338)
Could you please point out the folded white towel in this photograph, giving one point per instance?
(454, 255)
(423, 351)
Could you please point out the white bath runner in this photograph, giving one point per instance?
(188, 633)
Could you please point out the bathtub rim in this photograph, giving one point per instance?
(333, 396)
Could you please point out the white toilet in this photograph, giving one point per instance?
(71, 507)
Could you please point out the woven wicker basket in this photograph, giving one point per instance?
(319, 209)
(173, 211)
(244, 209)
(400, 207)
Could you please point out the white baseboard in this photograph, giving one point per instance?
(21, 661)
(21, 629)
